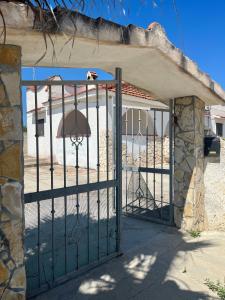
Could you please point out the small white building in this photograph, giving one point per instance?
(137, 118)
(215, 120)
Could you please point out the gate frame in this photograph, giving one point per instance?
(169, 171)
(115, 183)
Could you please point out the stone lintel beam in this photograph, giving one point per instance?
(148, 58)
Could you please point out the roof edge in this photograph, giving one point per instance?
(20, 16)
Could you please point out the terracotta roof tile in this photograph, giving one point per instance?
(127, 89)
(33, 109)
(131, 90)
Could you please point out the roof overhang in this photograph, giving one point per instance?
(148, 59)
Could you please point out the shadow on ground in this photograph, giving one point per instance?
(153, 266)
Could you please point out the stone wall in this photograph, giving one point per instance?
(189, 207)
(12, 270)
(102, 150)
(134, 160)
(214, 179)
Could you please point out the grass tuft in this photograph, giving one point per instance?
(195, 233)
(217, 287)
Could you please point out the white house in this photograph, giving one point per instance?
(136, 107)
(215, 120)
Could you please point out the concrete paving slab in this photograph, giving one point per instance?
(158, 263)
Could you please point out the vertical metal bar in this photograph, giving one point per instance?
(64, 144)
(209, 117)
(146, 158)
(76, 146)
(64, 178)
(88, 180)
(171, 141)
(98, 167)
(77, 167)
(37, 181)
(37, 139)
(107, 165)
(52, 181)
(114, 149)
(132, 153)
(118, 153)
(139, 154)
(154, 158)
(126, 128)
(161, 165)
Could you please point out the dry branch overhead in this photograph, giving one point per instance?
(49, 15)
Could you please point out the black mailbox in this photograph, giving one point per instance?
(212, 145)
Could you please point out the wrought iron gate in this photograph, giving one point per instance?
(72, 178)
(147, 145)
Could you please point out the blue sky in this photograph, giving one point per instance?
(195, 26)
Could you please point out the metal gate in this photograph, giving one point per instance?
(147, 145)
(72, 178)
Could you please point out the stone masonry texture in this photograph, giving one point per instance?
(138, 158)
(189, 207)
(12, 270)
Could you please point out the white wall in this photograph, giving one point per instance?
(210, 124)
(44, 151)
(215, 114)
(44, 142)
(30, 97)
(82, 153)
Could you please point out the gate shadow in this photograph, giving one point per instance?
(145, 271)
(66, 253)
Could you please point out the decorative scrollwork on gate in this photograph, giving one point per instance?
(76, 140)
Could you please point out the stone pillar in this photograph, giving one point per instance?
(12, 270)
(189, 210)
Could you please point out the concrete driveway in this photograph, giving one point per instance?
(158, 263)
